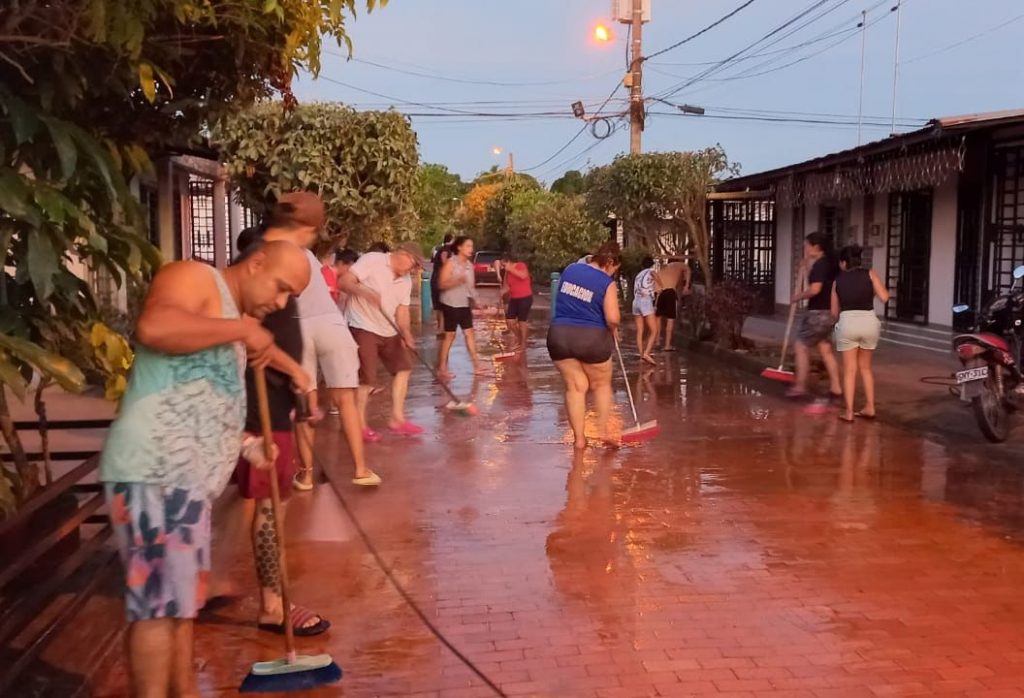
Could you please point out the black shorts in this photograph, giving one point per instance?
(454, 318)
(435, 297)
(667, 305)
(519, 309)
(588, 345)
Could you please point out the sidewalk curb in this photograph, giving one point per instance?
(914, 421)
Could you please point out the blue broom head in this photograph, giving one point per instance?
(295, 681)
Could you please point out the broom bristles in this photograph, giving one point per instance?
(293, 681)
(778, 374)
(640, 432)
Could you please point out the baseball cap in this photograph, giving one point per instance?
(301, 208)
(412, 249)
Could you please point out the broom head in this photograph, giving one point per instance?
(641, 432)
(464, 409)
(777, 374)
(302, 673)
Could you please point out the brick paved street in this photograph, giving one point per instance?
(751, 550)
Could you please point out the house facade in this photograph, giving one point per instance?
(939, 211)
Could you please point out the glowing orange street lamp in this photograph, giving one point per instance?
(602, 33)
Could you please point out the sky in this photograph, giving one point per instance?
(449, 62)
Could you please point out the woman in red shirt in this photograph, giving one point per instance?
(516, 286)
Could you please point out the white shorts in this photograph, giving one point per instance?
(327, 343)
(643, 305)
(857, 329)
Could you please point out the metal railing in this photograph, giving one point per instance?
(21, 603)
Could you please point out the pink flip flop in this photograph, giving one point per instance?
(407, 428)
(370, 436)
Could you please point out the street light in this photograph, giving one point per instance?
(602, 33)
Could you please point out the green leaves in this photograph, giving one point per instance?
(65, 145)
(147, 82)
(364, 164)
(51, 365)
(43, 264)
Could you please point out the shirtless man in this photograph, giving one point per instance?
(674, 281)
(175, 441)
(327, 343)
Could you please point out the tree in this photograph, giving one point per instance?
(661, 198)
(494, 232)
(550, 230)
(470, 216)
(571, 183)
(363, 164)
(89, 90)
(436, 199)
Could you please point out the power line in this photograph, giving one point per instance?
(964, 41)
(724, 62)
(705, 30)
(469, 81)
(578, 133)
(807, 121)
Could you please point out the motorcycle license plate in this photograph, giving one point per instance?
(971, 375)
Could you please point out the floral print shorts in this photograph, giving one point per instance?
(163, 537)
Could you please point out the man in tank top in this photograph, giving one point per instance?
(175, 442)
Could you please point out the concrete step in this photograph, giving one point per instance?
(934, 339)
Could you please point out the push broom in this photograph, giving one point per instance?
(780, 374)
(502, 356)
(293, 672)
(640, 432)
(460, 407)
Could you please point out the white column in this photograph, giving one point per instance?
(220, 224)
(165, 208)
(234, 223)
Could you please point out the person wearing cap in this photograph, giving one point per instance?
(327, 343)
(379, 287)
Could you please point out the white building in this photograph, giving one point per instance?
(939, 211)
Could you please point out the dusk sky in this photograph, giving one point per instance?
(540, 56)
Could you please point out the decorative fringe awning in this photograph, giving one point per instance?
(918, 167)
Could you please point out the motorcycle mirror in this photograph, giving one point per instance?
(961, 308)
(1018, 273)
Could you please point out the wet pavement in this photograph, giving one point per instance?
(750, 550)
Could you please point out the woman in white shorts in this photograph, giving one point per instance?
(644, 291)
(858, 329)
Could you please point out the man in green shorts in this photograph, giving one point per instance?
(176, 440)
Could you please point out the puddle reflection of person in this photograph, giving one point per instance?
(585, 551)
(859, 462)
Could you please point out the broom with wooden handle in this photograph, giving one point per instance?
(293, 672)
(780, 374)
(640, 432)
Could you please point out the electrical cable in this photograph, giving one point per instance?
(786, 120)
(578, 133)
(470, 81)
(705, 30)
(390, 575)
(964, 41)
(724, 62)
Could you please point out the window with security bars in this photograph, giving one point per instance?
(1006, 233)
(200, 200)
(743, 246)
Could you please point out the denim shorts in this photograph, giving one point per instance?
(643, 306)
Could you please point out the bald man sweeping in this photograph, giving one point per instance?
(175, 442)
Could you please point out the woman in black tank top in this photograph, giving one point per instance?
(858, 329)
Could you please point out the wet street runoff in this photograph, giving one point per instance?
(751, 549)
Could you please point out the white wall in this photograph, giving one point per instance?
(783, 257)
(942, 270)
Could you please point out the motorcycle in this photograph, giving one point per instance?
(991, 380)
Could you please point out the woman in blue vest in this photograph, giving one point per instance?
(581, 337)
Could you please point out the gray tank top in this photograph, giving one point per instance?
(459, 296)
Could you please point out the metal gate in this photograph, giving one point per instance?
(743, 246)
(909, 252)
(200, 201)
(1005, 234)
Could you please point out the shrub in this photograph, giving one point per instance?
(729, 304)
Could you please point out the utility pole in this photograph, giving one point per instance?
(511, 167)
(636, 94)
(863, 49)
(896, 62)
